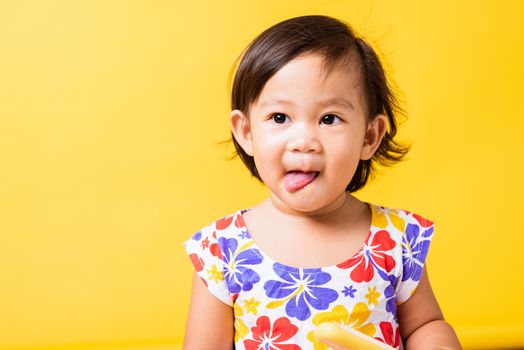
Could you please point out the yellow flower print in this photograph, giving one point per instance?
(359, 316)
(372, 296)
(317, 344)
(241, 329)
(215, 274)
(251, 306)
(381, 216)
(237, 309)
(357, 320)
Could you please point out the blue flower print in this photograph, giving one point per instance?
(349, 291)
(197, 236)
(389, 294)
(237, 273)
(244, 234)
(414, 250)
(300, 289)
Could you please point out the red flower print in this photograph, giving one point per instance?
(387, 334)
(239, 221)
(214, 248)
(224, 223)
(266, 337)
(205, 243)
(204, 281)
(372, 253)
(423, 222)
(197, 261)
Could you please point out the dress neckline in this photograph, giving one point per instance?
(285, 267)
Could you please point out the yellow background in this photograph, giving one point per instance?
(111, 114)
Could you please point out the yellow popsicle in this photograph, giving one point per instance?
(349, 338)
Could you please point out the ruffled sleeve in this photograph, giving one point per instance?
(206, 256)
(415, 245)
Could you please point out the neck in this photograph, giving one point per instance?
(329, 213)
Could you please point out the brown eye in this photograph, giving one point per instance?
(330, 119)
(279, 118)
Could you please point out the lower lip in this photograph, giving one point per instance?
(297, 180)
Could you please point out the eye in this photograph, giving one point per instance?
(330, 119)
(279, 118)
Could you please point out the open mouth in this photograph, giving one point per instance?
(296, 180)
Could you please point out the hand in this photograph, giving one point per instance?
(347, 339)
(334, 345)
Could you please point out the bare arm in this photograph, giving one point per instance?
(422, 324)
(210, 321)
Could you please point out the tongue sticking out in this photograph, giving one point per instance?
(295, 180)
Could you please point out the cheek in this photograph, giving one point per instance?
(267, 157)
(343, 170)
(267, 163)
(266, 145)
(342, 161)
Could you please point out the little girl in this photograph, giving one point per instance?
(311, 115)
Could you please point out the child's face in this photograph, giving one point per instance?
(307, 132)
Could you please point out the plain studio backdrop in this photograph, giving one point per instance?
(111, 118)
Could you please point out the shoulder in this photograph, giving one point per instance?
(225, 226)
(413, 234)
(209, 250)
(217, 236)
(401, 220)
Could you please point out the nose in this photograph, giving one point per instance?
(304, 139)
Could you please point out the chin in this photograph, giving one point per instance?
(305, 208)
(304, 202)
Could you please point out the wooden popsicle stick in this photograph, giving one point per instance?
(348, 338)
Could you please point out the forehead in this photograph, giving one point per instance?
(309, 79)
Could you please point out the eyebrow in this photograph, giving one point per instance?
(330, 101)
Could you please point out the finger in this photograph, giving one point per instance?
(332, 344)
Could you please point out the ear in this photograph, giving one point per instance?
(374, 133)
(242, 130)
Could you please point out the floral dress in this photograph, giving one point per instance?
(278, 306)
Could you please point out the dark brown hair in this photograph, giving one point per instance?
(336, 42)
